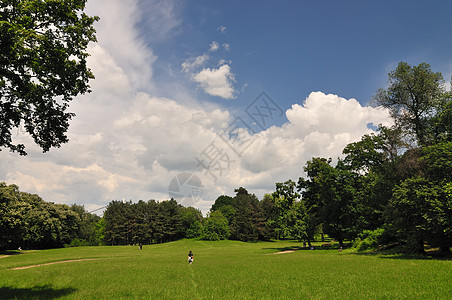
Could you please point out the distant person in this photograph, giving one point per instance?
(141, 246)
(190, 257)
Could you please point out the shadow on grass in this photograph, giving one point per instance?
(37, 292)
(10, 252)
(288, 248)
(325, 246)
(407, 256)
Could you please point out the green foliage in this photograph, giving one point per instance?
(369, 240)
(128, 223)
(248, 223)
(191, 221)
(30, 222)
(77, 243)
(421, 211)
(222, 201)
(414, 96)
(331, 198)
(215, 227)
(88, 231)
(42, 68)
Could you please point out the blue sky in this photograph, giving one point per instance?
(175, 80)
(291, 48)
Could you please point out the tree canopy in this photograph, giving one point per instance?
(42, 68)
(414, 96)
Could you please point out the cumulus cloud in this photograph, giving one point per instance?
(321, 126)
(226, 46)
(217, 82)
(125, 144)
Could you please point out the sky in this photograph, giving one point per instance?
(193, 99)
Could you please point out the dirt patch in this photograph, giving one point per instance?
(283, 252)
(53, 263)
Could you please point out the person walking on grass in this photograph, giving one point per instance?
(190, 257)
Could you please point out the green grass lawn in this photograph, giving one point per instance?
(222, 270)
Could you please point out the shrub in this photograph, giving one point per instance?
(369, 240)
(77, 243)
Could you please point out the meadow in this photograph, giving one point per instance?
(221, 270)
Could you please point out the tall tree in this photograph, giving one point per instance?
(42, 68)
(413, 96)
(284, 199)
(248, 224)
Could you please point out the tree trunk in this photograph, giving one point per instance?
(421, 246)
(444, 247)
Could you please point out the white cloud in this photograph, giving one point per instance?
(322, 126)
(126, 144)
(226, 46)
(119, 38)
(154, 139)
(217, 82)
(222, 29)
(189, 64)
(223, 62)
(214, 46)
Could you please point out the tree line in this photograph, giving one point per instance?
(27, 221)
(393, 188)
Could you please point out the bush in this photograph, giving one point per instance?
(77, 243)
(369, 240)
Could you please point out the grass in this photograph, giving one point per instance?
(222, 270)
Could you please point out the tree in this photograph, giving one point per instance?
(248, 224)
(443, 122)
(375, 160)
(421, 211)
(215, 227)
(10, 216)
(191, 219)
(270, 213)
(284, 199)
(331, 199)
(42, 68)
(88, 226)
(421, 207)
(221, 201)
(117, 216)
(226, 205)
(168, 222)
(413, 96)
